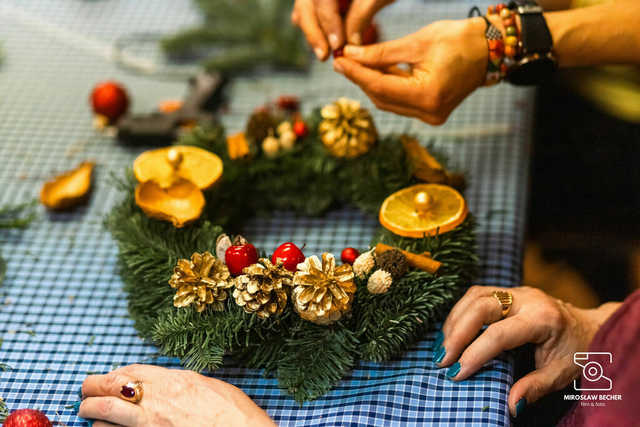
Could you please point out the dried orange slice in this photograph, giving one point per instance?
(181, 203)
(166, 165)
(423, 209)
(68, 189)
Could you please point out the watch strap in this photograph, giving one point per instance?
(535, 34)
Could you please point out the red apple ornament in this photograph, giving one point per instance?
(27, 418)
(349, 255)
(238, 257)
(289, 254)
(110, 100)
(300, 129)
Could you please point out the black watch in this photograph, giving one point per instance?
(536, 62)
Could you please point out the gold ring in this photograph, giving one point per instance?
(505, 299)
(132, 392)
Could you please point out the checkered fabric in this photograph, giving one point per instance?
(63, 313)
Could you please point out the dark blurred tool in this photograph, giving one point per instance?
(162, 128)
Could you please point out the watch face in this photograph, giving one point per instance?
(532, 72)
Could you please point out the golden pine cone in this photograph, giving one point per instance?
(322, 292)
(201, 281)
(347, 130)
(262, 288)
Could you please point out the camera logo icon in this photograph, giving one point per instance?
(592, 371)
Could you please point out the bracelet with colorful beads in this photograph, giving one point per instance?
(495, 45)
(512, 35)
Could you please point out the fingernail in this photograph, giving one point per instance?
(453, 370)
(353, 51)
(355, 38)
(338, 66)
(522, 403)
(439, 339)
(438, 355)
(319, 52)
(76, 407)
(333, 41)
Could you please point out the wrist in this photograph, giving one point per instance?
(592, 319)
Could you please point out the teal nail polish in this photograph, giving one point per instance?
(522, 403)
(453, 370)
(76, 407)
(438, 355)
(438, 340)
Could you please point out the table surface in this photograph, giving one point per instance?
(63, 313)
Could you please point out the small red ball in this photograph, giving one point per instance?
(370, 35)
(349, 255)
(343, 6)
(110, 100)
(27, 418)
(238, 257)
(288, 103)
(338, 53)
(289, 254)
(300, 129)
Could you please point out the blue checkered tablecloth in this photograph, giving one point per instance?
(62, 311)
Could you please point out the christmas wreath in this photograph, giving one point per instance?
(200, 294)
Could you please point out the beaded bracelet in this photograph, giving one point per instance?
(495, 44)
(512, 39)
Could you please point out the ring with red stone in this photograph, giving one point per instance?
(132, 392)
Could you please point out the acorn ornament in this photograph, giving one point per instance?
(347, 130)
(270, 146)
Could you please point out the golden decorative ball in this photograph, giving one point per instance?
(347, 130)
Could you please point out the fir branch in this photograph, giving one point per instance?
(18, 216)
(315, 359)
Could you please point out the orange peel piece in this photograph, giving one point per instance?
(423, 210)
(167, 165)
(69, 188)
(238, 146)
(181, 203)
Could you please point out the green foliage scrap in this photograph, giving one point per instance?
(240, 35)
(307, 359)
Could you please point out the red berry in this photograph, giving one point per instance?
(343, 6)
(27, 418)
(370, 35)
(110, 100)
(289, 254)
(349, 255)
(288, 103)
(238, 257)
(300, 129)
(339, 52)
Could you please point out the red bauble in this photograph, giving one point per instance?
(27, 418)
(110, 100)
(238, 257)
(289, 254)
(349, 255)
(289, 103)
(343, 6)
(370, 35)
(300, 129)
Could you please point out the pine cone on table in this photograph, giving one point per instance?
(202, 281)
(262, 288)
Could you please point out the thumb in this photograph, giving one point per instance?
(381, 55)
(537, 384)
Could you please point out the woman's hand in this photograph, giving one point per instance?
(557, 328)
(325, 28)
(171, 398)
(447, 61)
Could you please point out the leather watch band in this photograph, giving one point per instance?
(536, 37)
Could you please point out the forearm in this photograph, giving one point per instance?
(597, 35)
